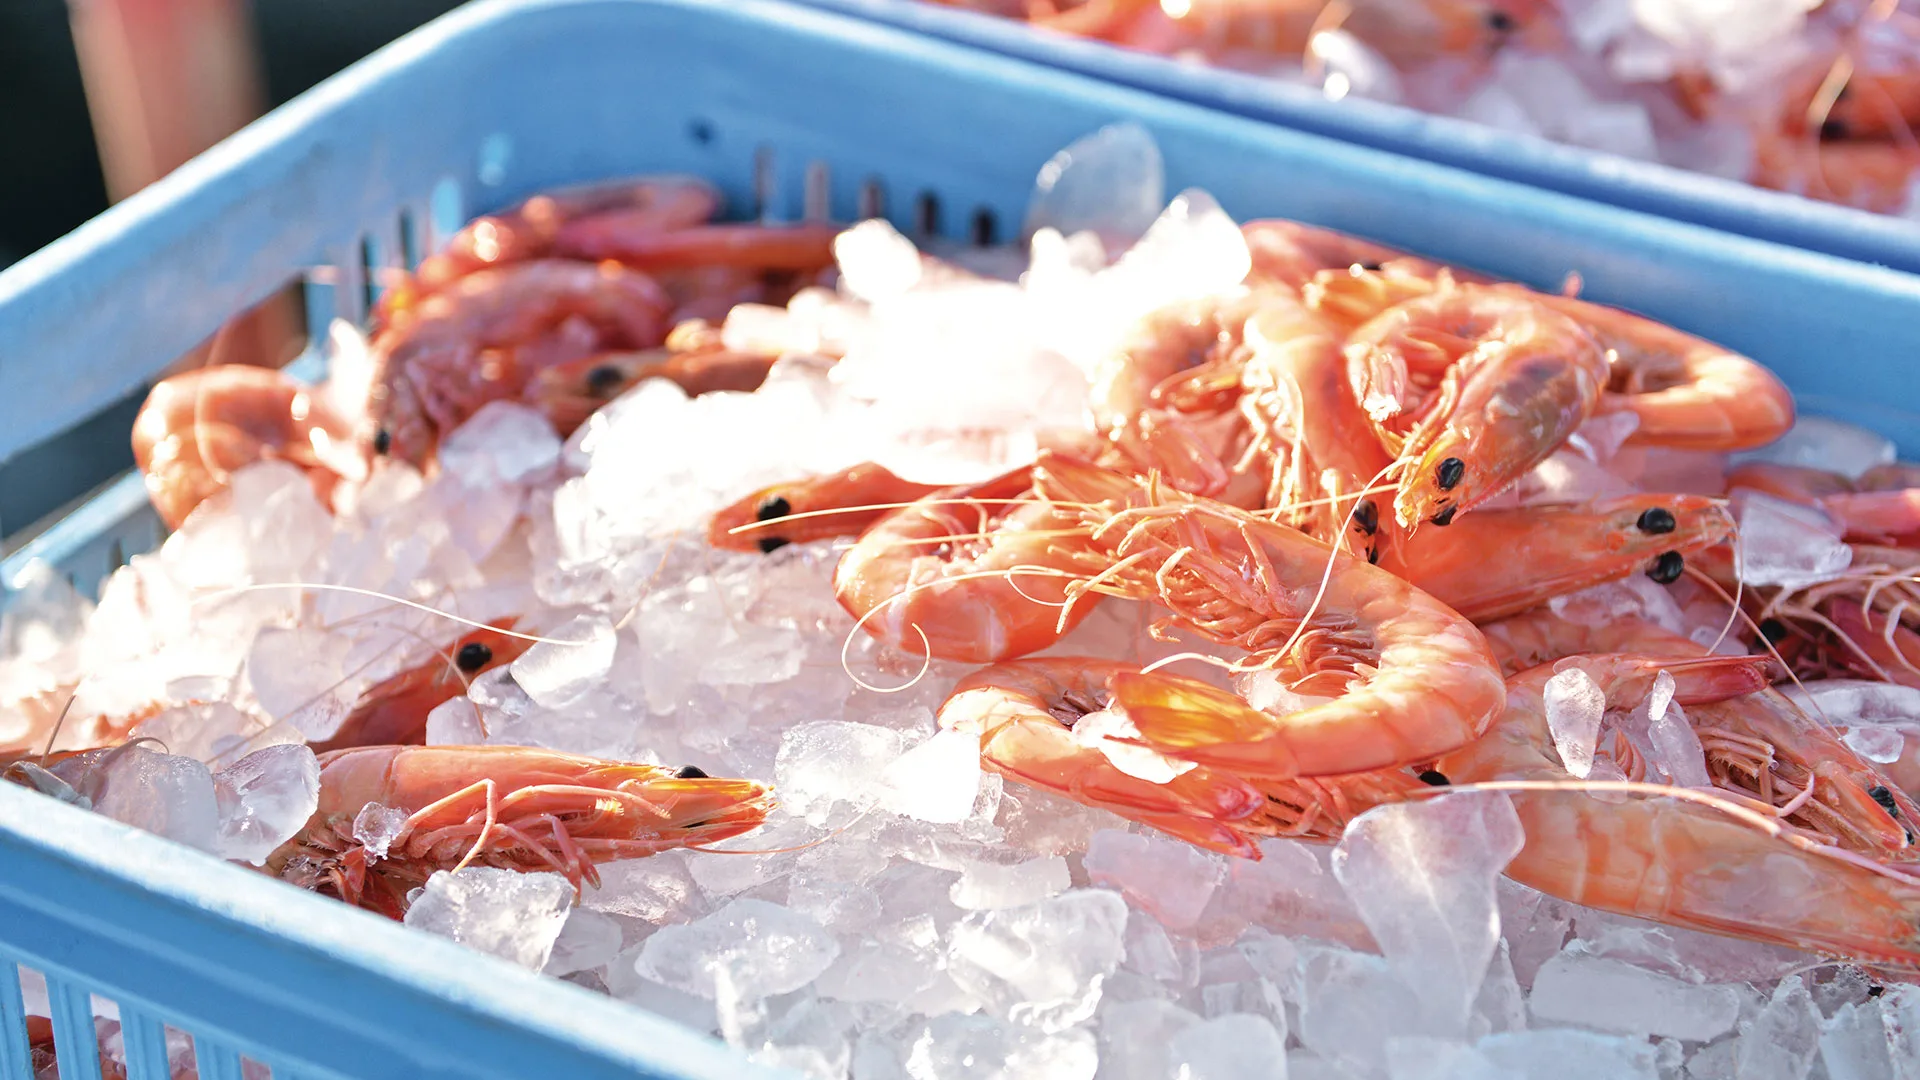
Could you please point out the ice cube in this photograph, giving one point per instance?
(1352, 67)
(555, 675)
(1819, 442)
(1152, 952)
(1677, 748)
(455, 722)
(512, 915)
(955, 1047)
(376, 827)
(1351, 1004)
(299, 676)
(165, 794)
(1575, 706)
(505, 442)
(1135, 1037)
(1111, 183)
(1173, 880)
(1422, 875)
(587, 939)
(936, 781)
(1501, 1004)
(1041, 965)
(1875, 742)
(1781, 543)
(985, 886)
(659, 889)
(760, 949)
(1227, 1048)
(264, 799)
(1781, 1042)
(824, 764)
(1614, 996)
(876, 262)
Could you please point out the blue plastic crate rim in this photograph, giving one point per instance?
(786, 109)
(1634, 185)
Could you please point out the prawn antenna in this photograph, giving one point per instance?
(352, 590)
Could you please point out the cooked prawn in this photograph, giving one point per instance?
(570, 393)
(1051, 723)
(1472, 387)
(394, 712)
(199, 427)
(515, 807)
(1410, 677)
(1677, 861)
(1549, 551)
(1688, 393)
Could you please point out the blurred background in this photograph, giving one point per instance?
(54, 180)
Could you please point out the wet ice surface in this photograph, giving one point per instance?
(904, 914)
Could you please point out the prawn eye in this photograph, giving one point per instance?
(1835, 130)
(1445, 517)
(1500, 22)
(690, 772)
(770, 544)
(1773, 630)
(1666, 569)
(604, 380)
(1367, 516)
(1881, 795)
(1434, 778)
(776, 507)
(473, 656)
(1656, 520)
(382, 441)
(1452, 470)
(1369, 267)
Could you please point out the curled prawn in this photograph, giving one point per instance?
(513, 807)
(199, 427)
(1688, 393)
(1703, 862)
(1051, 722)
(977, 573)
(1471, 388)
(1409, 677)
(572, 392)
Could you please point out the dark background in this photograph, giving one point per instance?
(51, 182)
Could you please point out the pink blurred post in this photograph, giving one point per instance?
(166, 79)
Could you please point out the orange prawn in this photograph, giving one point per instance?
(1472, 387)
(513, 807)
(486, 335)
(394, 712)
(572, 392)
(199, 427)
(1032, 717)
(1410, 677)
(1681, 861)
(1548, 551)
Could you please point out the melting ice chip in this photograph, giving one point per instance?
(1112, 183)
(164, 794)
(1099, 730)
(1575, 706)
(377, 827)
(1781, 543)
(1875, 742)
(1193, 249)
(554, 674)
(1351, 67)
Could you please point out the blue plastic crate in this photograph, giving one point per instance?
(790, 110)
(1635, 185)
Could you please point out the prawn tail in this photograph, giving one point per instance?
(1193, 721)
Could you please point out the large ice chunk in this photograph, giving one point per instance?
(1172, 880)
(512, 915)
(264, 799)
(1576, 988)
(1111, 183)
(1042, 964)
(165, 794)
(1781, 543)
(1422, 875)
(1575, 706)
(755, 948)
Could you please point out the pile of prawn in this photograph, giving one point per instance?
(1327, 485)
(1826, 108)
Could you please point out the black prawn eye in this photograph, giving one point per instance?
(776, 507)
(1434, 778)
(1452, 471)
(1445, 517)
(1667, 568)
(690, 772)
(1500, 22)
(382, 441)
(473, 656)
(604, 380)
(1656, 520)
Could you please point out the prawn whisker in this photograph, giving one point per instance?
(238, 590)
(832, 511)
